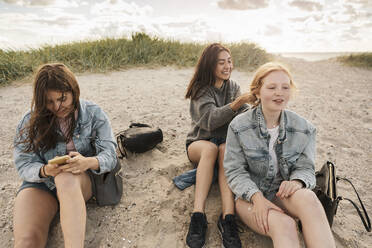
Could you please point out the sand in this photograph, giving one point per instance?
(153, 212)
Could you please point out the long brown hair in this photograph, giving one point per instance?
(260, 74)
(205, 70)
(41, 131)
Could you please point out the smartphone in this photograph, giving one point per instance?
(59, 160)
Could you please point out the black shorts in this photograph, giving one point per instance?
(215, 140)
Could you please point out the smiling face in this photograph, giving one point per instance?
(275, 91)
(224, 67)
(59, 103)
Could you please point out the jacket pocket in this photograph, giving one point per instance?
(257, 161)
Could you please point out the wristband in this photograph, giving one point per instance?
(43, 168)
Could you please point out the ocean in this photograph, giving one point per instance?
(314, 56)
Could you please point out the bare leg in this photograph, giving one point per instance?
(73, 191)
(282, 227)
(204, 153)
(33, 212)
(304, 205)
(227, 196)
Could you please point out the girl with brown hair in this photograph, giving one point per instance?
(214, 101)
(58, 123)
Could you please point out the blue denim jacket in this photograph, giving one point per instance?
(248, 165)
(92, 137)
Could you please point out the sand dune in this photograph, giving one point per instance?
(153, 213)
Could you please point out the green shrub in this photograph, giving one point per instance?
(112, 54)
(359, 60)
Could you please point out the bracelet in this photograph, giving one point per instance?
(43, 168)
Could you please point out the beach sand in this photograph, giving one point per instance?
(153, 212)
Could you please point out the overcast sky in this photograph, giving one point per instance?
(276, 25)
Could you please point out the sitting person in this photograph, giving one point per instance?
(269, 165)
(58, 123)
(214, 101)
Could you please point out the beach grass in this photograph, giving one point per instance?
(363, 60)
(113, 54)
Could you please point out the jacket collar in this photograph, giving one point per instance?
(262, 124)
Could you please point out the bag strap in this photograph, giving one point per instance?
(123, 152)
(137, 124)
(365, 219)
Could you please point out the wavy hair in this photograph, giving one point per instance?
(260, 74)
(205, 70)
(41, 130)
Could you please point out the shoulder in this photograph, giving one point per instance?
(204, 93)
(244, 121)
(90, 110)
(297, 122)
(233, 84)
(24, 120)
(89, 106)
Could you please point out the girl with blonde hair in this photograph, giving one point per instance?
(269, 164)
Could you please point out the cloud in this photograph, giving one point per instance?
(242, 4)
(272, 30)
(118, 7)
(36, 3)
(307, 5)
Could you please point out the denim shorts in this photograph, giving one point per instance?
(41, 186)
(215, 140)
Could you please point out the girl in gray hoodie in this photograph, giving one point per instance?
(214, 101)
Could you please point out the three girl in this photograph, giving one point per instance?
(265, 174)
(58, 123)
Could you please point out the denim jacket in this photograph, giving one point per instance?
(92, 137)
(248, 165)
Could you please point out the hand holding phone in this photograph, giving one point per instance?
(59, 160)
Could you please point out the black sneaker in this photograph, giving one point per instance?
(229, 232)
(197, 229)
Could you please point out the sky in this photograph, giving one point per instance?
(275, 25)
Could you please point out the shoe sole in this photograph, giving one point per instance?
(201, 247)
(219, 231)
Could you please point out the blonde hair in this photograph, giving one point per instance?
(260, 74)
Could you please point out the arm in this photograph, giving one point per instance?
(28, 164)
(237, 176)
(104, 142)
(105, 147)
(207, 114)
(240, 102)
(303, 169)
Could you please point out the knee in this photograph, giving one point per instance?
(308, 201)
(29, 239)
(66, 182)
(210, 150)
(282, 224)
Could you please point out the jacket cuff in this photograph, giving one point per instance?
(308, 183)
(103, 164)
(34, 172)
(248, 195)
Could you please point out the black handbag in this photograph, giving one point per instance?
(108, 187)
(138, 138)
(326, 191)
